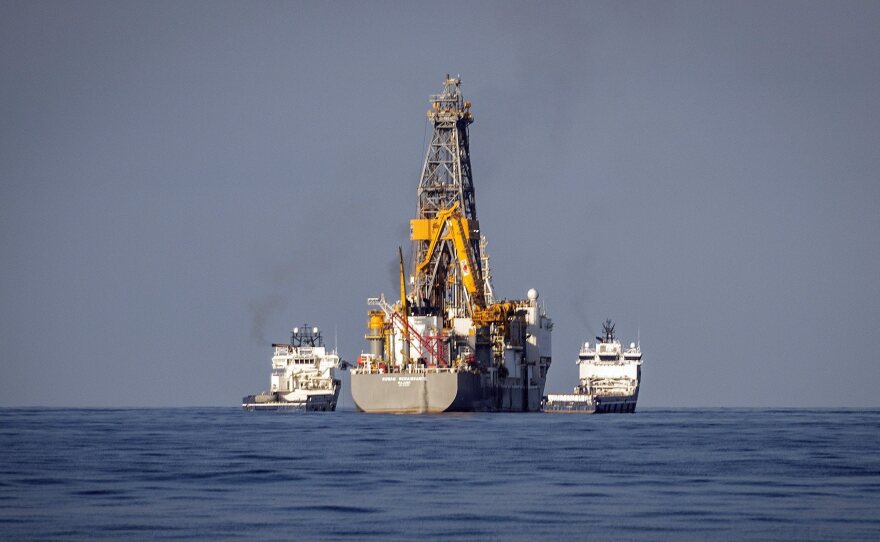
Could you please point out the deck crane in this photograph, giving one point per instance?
(450, 224)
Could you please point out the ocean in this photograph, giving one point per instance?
(226, 474)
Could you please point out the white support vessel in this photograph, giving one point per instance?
(303, 375)
(609, 378)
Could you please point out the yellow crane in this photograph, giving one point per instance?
(451, 224)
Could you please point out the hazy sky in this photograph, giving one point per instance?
(183, 182)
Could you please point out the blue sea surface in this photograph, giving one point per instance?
(221, 473)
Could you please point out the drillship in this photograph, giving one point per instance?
(609, 378)
(447, 344)
(303, 375)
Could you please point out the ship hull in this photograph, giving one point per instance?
(609, 405)
(590, 404)
(417, 393)
(321, 402)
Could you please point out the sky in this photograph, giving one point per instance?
(181, 183)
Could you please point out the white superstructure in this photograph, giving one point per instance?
(606, 369)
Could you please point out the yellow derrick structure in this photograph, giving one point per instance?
(451, 225)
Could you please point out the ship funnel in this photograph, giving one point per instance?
(375, 334)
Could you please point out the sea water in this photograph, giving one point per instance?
(221, 473)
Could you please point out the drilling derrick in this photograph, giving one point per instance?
(447, 282)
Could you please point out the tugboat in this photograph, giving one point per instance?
(609, 378)
(303, 375)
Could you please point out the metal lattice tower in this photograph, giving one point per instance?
(446, 181)
(446, 174)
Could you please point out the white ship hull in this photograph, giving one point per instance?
(316, 402)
